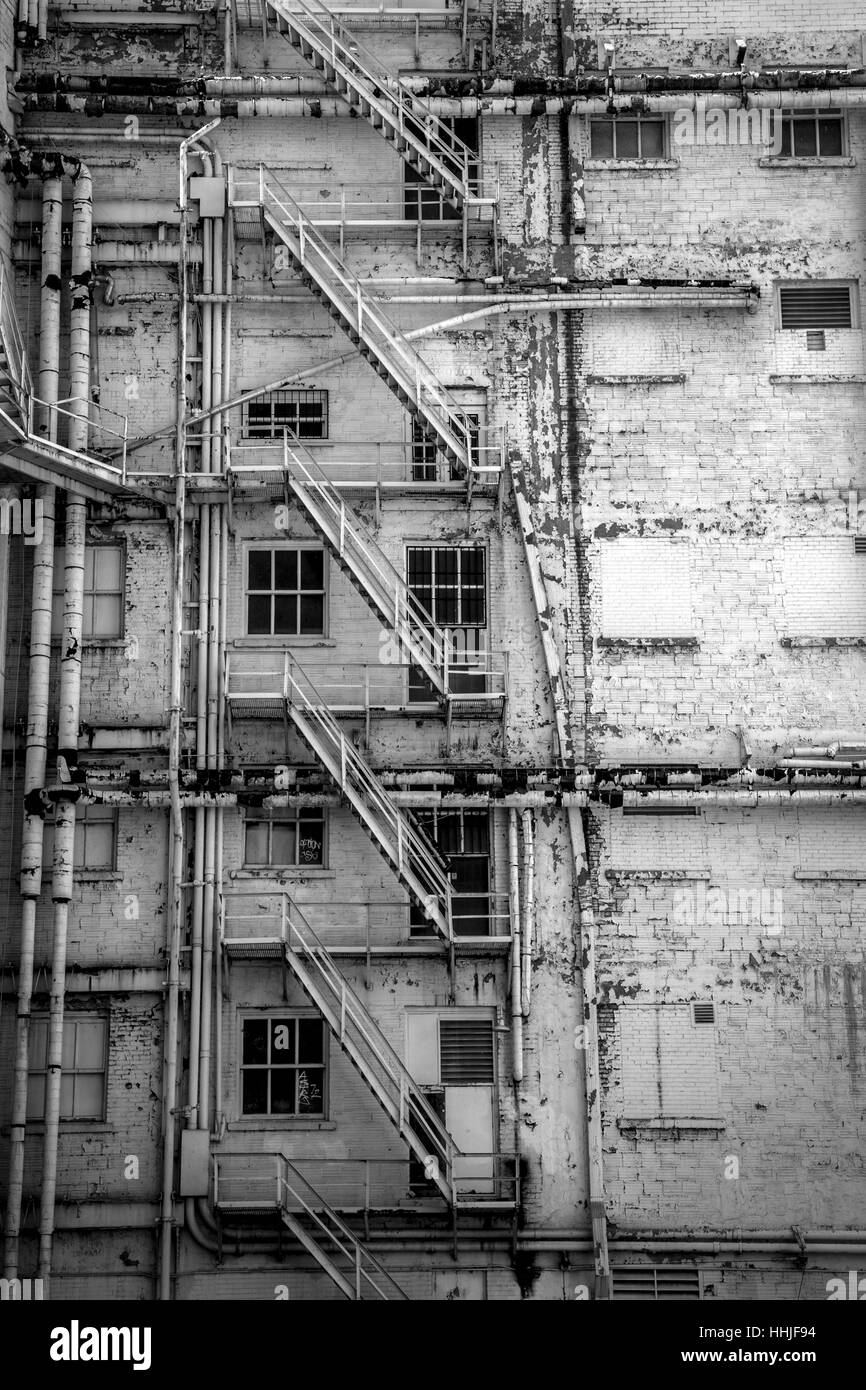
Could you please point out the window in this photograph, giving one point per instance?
(292, 839)
(450, 584)
(304, 413)
(464, 838)
(423, 203)
(812, 134)
(669, 1069)
(816, 304)
(95, 837)
(103, 592)
(83, 1064)
(283, 1065)
(286, 592)
(628, 137)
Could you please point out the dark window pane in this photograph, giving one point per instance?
(446, 607)
(254, 1087)
(311, 1040)
(285, 569)
(259, 569)
(626, 140)
(312, 569)
(283, 1091)
(258, 614)
(259, 419)
(285, 613)
(476, 833)
(255, 1040)
(283, 842)
(312, 614)
(787, 149)
(282, 1040)
(311, 1085)
(601, 139)
(652, 139)
(256, 842)
(830, 137)
(311, 842)
(805, 138)
(419, 566)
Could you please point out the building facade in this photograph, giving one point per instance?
(432, 548)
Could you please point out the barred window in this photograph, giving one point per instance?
(449, 582)
(303, 413)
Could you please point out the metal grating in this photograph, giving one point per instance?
(466, 1052)
(815, 305)
(663, 1284)
(704, 1013)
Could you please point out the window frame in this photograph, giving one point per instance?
(458, 549)
(43, 1019)
(853, 287)
(792, 117)
(288, 396)
(287, 815)
(638, 119)
(90, 549)
(95, 815)
(271, 1118)
(421, 928)
(286, 638)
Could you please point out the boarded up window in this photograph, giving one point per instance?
(825, 588)
(645, 588)
(669, 1069)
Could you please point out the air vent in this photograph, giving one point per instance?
(860, 545)
(657, 810)
(816, 340)
(703, 1013)
(667, 1284)
(815, 305)
(466, 1052)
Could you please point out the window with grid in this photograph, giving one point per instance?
(628, 137)
(102, 615)
(427, 463)
(450, 583)
(286, 592)
(303, 413)
(83, 1068)
(464, 838)
(812, 134)
(421, 203)
(95, 844)
(816, 305)
(283, 1066)
(292, 839)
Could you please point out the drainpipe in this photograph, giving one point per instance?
(528, 911)
(11, 495)
(37, 714)
(69, 711)
(176, 846)
(514, 893)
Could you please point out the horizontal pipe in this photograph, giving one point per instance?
(123, 253)
(119, 212)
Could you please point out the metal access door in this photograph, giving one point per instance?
(469, 1117)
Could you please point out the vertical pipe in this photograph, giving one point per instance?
(42, 20)
(514, 892)
(528, 911)
(37, 717)
(11, 496)
(69, 709)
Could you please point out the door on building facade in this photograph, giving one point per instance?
(451, 1054)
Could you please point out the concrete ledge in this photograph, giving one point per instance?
(823, 641)
(633, 166)
(831, 379)
(647, 643)
(661, 875)
(672, 1126)
(833, 161)
(830, 876)
(655, 379)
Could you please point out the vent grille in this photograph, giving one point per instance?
(657, 810)
(667, 1284)
(860, 545)
(816, 340)
(815, 306)
(704, 1013)
(466, 1052)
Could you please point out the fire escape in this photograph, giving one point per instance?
(291, 693)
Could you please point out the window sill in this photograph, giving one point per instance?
(252, 1125)
(637, 379)
(832, 161)
(280, 875)
(817, 379)
(96, 876)
(282, 643)
(823, 641)
(659, 875)
(829, 876)
(672, 1126)
(634, 166)
(649, 643)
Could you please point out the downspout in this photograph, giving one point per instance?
(176, 845)
(37, 714)
(219, 1120)
(69, 712)
(10, 495)
(42, 20)
(514, 895)
(528, 911)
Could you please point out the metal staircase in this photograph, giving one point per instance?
(22, 449)
(356, 549)
(415, 861)
(358, 1035)
(391, 355)
(426, 144)
(312, 1221)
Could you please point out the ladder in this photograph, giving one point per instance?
(391, 355)
(426, 144)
